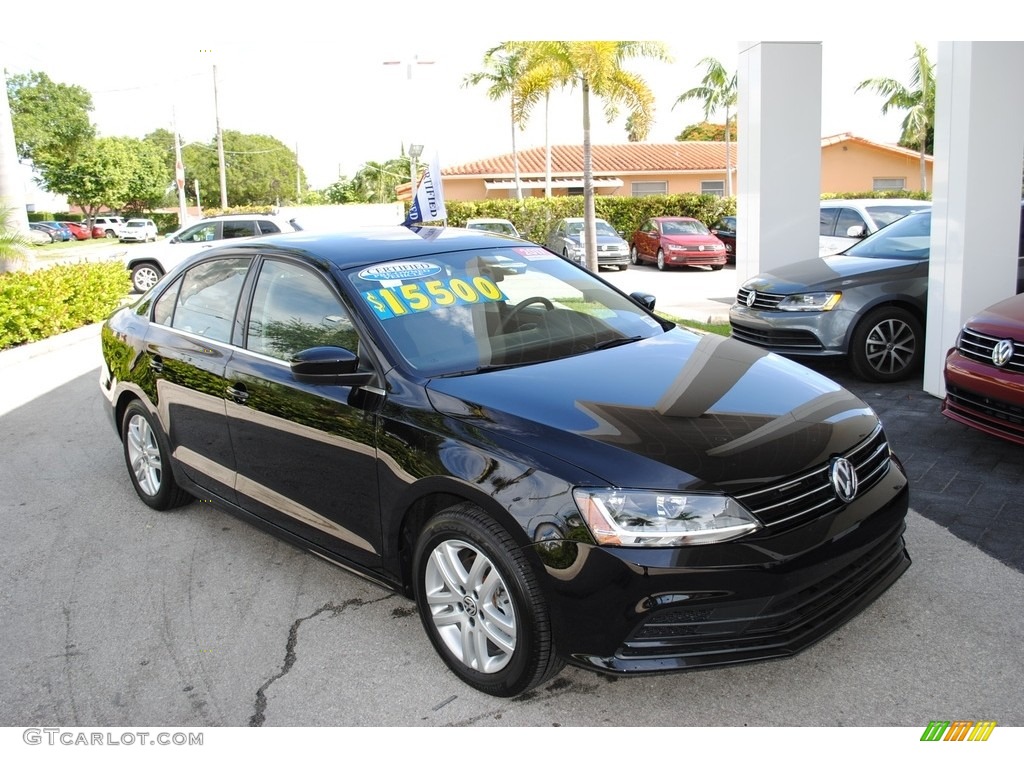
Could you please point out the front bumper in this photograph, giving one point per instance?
(984, 397)
(817, 334)
(630, 611)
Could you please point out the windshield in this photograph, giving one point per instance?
(500, 227)
(906, 238)
(470, 311)
(884, 215)
(684, 228)
(602, 227)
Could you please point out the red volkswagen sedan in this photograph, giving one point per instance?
(676, 241)
(984, 373)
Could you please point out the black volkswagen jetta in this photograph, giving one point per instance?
(553, 473)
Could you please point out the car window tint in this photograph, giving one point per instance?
(828, 221)
(849, 218)
(239, 229)
(208, 298)
(199, 233)
(292, 310)
(266, 227)
(163, 311)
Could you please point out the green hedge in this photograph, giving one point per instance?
(534, 216)
(45, 302)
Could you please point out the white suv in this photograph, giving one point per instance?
(149, 265)
(845, 222)
(138, 230)
(110, 226)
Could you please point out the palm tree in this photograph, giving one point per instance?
(375, 182)
(918, 98)
(596, 66)
(505, 66)
(718, 90)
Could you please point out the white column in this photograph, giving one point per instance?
(979, 146)
(779, 154)
(12, 183)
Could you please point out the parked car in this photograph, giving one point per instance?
(501, 226)
(383, 399)
(868, 303)
(58, 232)
(984, 372)
(149, 266)
(78, 230)
(725, 230)
(138, 231)
(40, 235)
(845, 222)
(676, 241)
(107, 226)
(566, 236)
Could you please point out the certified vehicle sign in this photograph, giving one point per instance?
(402, 270)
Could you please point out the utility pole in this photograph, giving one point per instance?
(220, 146)
(298, 186)
(179, 172)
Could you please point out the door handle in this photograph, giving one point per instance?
(238, 393)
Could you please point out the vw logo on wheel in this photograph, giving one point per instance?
(843, 476)
(1002, 353)
(751, 297)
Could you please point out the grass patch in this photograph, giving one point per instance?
(722, 329)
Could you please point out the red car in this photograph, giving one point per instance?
(79, 230)
(984, 373)
(677, 241)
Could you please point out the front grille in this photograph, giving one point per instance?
(978, 346)
(610, 248)
(762, 628)
(781, 339)
(811, 494)
(982, 409)
(761, 300)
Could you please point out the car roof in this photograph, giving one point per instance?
(673, 218)
(373, 245)
(897, 201)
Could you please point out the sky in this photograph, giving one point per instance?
(312, 74)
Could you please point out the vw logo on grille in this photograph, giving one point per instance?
(844, 478)
(1002, 353)
(751, 298)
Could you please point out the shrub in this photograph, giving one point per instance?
(45, 302)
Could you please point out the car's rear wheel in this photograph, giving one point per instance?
(887, 345)
(147, 457)
(145, 276)
(661, 260)
(481, 604)
(111, 233)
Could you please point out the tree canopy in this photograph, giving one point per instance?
(259, 170)
(50, 120)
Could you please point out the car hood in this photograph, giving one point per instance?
(680, 410)
(690, 240)
(1002, 320)
(832, 272)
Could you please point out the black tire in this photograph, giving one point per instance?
(661, 260)
(147, 457)
(716, 267)
(634, 255)
(887, 345)
(110, 233)
(510, 648)
(145, 276)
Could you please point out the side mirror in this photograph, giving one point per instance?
(857, 230)
(329, 365)
(645, 300)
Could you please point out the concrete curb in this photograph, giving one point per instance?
(15, 355)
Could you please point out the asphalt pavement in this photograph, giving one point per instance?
(116, 615)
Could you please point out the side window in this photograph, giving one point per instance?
(164, 309)
(200, 233)
(293, 309)
(828, 221)
(208, 298)
(849, 218)
(267, 227)
(239, 229)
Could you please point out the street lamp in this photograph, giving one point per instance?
(415, 150)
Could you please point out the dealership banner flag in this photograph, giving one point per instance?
(428, 204)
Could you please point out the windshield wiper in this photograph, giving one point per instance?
(609, 343)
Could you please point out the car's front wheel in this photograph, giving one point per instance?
(634, 256)
(145, 276)
(146, 455)
(481, 604)
(887, 345)
(661, 260)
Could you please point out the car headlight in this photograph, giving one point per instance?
(811, 302)
(640, 518)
